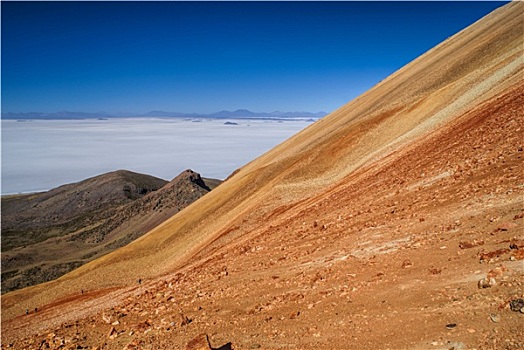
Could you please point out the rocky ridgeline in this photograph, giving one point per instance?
(49, 234)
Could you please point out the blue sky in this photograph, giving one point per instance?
(134, 57)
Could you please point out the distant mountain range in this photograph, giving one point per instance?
(238, 114)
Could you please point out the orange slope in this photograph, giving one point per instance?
(453, 78)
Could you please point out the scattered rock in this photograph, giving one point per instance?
(112, 333)
(467, 245)
(434, 271)
(200, 342)
(494, 254)
(494, 318)
(455, 345)
(519, 216)
(506, 226)
(143, 326)
(130, 346)
(182, 321)
(497, 271)
(486, 282)
(406, 263)
(451, 325)
(294, 314)
(518, 254)
(517, 305)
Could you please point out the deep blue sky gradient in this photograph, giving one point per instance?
(133, 57)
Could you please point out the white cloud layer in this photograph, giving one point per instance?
(42, 154)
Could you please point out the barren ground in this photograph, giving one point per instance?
(394, 223)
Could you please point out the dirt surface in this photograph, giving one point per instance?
(395, 223)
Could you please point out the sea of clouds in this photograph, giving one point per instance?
(38, 155)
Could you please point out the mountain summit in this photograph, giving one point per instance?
(394, 222)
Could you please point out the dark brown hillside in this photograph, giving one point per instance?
(32, 218)
(45, 235)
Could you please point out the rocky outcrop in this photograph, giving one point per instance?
(48, 234)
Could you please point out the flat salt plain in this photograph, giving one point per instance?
(38, 155)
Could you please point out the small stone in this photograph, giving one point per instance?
(494, 318)
(451, 325)
(434, 271)
(486, 282)
(112, 333)
(200, 342)
(456, 345)
(468, 244)
(182, 321)
(506, 226)
(517, 305)
(497, 271)
(294, 315)
(406, 263)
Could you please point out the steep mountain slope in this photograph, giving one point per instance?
(46, 235)
(369, 229)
